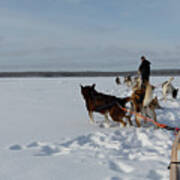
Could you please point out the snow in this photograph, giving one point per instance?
(45, 133)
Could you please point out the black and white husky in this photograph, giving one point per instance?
(168, 88)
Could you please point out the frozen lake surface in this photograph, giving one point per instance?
(46, 134)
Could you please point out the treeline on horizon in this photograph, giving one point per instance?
(161, 72)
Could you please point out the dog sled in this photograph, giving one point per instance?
(174, 166)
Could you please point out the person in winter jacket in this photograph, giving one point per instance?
(144, 70)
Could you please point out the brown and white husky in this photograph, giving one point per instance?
(144, 103)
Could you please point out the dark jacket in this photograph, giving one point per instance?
(144, 69)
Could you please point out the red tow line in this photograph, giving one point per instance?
(160, 125)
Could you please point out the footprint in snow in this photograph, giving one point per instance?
(16, 147)
(48, 150)
(153, 175)
(120, 167)
(114, 178)
(35, 144)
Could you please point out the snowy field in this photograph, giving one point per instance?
(45, 134)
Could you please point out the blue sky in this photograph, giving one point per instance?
(88, 34)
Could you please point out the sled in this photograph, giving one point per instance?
(175, 159)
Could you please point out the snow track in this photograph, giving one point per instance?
(124, 151)
(47, 135)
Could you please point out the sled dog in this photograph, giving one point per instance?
(105, 104)
(128, 80)
(143, 103)
(168, 88)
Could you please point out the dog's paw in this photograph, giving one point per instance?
(92, 122)
(104, 125)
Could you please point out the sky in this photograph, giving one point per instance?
(104, 35)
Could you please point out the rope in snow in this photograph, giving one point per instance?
(160, 125)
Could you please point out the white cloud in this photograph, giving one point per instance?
(29, 38)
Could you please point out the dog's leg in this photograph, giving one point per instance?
(106, 118)
(116, 117)
(121, 121)
(165, 98)
(129, 120)
(165, 93)
(137, 109)
(145, 112)
(155, 118)
(91, 117)
(150, 112)
(154, 115)
(137, 122)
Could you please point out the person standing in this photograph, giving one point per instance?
(144, 70)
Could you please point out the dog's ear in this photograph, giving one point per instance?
(81, 86)
(93, 86)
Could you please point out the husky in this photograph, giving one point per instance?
(149, 111)
(104, 104)
(168, 88)
(128, 81)
(144, 103)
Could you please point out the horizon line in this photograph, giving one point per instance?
(25, 74)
